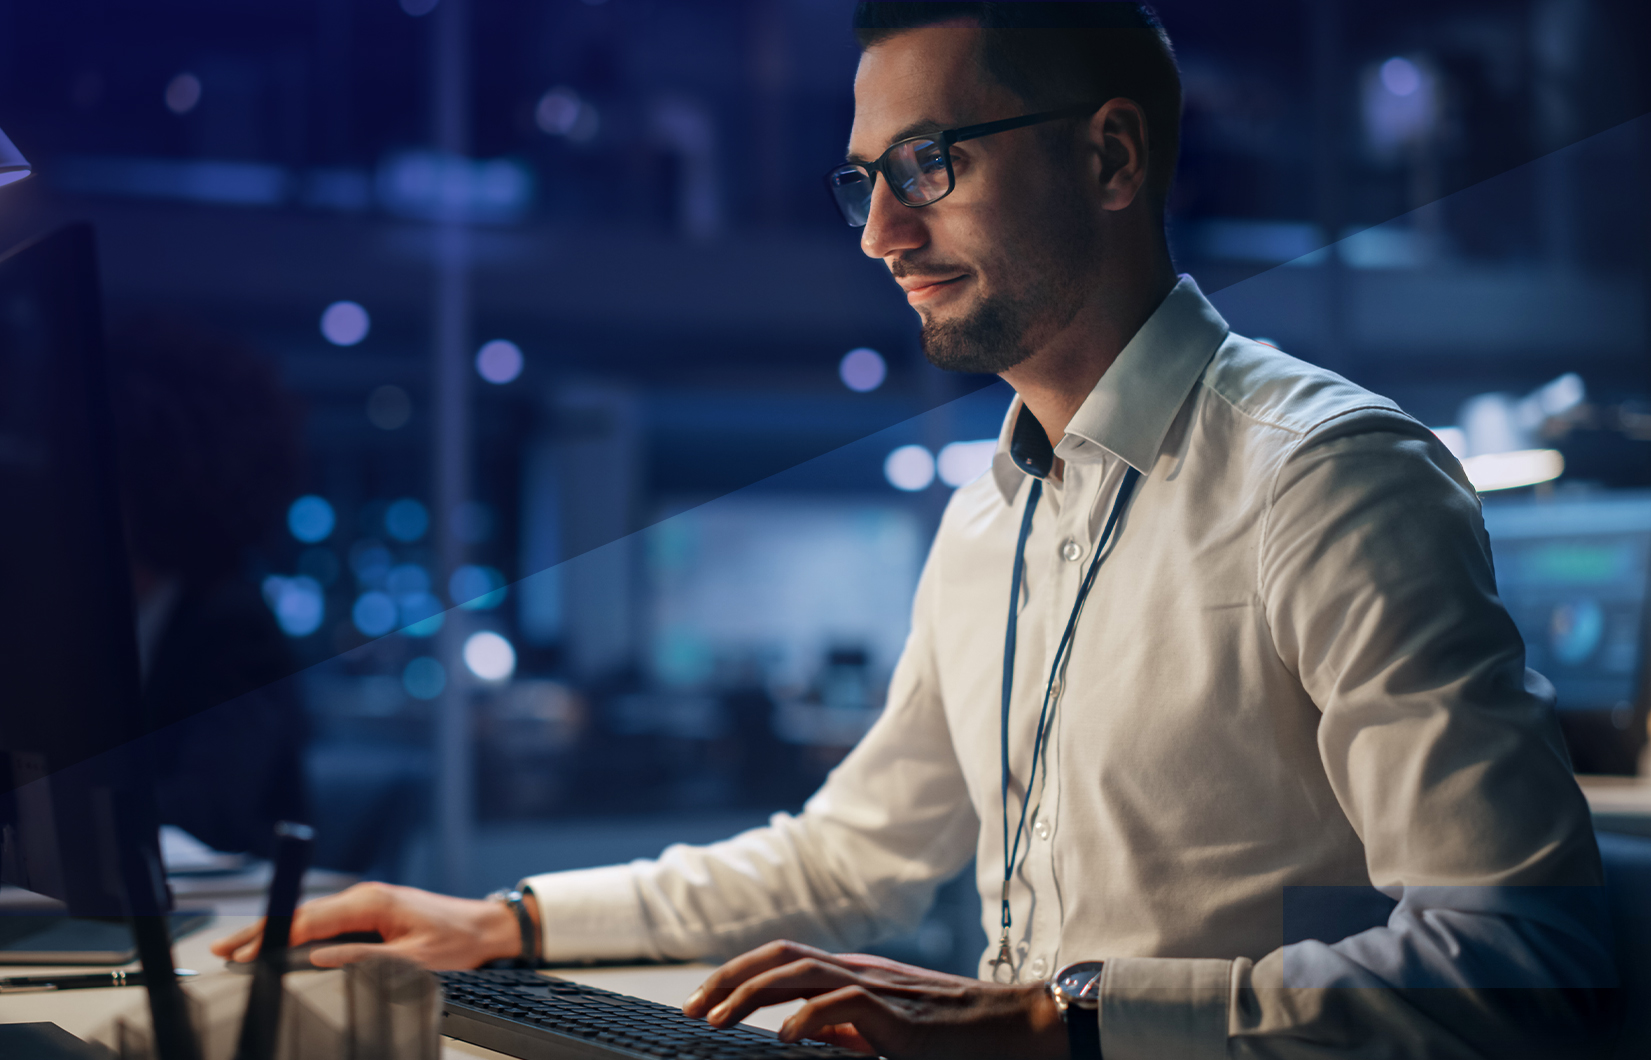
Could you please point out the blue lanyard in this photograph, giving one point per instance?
(1012, 853)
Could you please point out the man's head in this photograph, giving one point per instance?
(1037, 215)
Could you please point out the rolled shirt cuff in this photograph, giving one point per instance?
(590, 915)
(1157, 1007)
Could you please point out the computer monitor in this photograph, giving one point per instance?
(1574, 573)
(77, 815)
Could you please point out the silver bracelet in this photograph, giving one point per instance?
(529, 957)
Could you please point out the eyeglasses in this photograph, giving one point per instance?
(919, 169)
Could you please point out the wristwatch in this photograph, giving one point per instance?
(511, 897)
(1076, 990)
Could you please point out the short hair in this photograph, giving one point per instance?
(1054, 55)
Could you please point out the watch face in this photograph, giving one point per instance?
(1080, 983)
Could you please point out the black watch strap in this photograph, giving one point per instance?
(510, 896)
(1083, 1032)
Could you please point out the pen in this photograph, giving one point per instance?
(25, 984)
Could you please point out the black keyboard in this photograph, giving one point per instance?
(539, 1017)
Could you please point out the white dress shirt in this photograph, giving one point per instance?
(1292, 672)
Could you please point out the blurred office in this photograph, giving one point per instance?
(617, 461)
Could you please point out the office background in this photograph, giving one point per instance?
(614, 461)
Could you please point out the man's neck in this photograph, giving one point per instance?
(1055, 380)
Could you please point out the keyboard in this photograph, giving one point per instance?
(538, 1017)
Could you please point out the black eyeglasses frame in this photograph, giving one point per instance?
(945, 138)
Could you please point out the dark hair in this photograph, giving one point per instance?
(1055, 55)
(206, 442)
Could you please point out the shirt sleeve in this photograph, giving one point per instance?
(1376, 581)
(862, 859)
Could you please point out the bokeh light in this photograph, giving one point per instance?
(1401, 77)
(311, 518)
(406, 520)
(489, 656)
(909, 468)
(298, 603)
(862, 370)
(960, 463)
(183, 93)
(419, 8)
(476, 588)
(420, 614)
(374, 613)
(499, 361)
(561, 112)
(424, 678)
(345, 323)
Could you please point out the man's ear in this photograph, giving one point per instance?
(1118, 145)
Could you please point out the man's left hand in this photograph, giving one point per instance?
(883, 1007)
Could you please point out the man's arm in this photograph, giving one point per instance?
(864, 857)
(1376, 579)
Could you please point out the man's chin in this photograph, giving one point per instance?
(971, 347)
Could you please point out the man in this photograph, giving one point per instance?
(1288, 678)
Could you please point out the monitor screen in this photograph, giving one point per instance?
(1573, 573)
(72, 805)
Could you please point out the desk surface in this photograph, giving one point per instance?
(81, 1011)
(1619, 804)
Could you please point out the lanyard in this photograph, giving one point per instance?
(1012, 853)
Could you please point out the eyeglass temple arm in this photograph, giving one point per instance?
(971, 132)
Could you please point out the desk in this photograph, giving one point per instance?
(1619, 804)
(81, 1011)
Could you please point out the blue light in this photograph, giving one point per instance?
(406, 520)
(499, 362)
(476, 588)
(862, 370)
(424, 678)
(421, 614)
(374, 613)
(909, 468)
(311, 519)
(298, 603)
(345, 323)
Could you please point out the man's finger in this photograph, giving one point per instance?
(845, 1035)
(722, 982)
(805, 978)
(227, 945)
(853, 1004)
(350, 952)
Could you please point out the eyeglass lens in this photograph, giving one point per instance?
(917, 174)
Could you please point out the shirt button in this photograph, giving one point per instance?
(1071, 551)
(1040, 967)
(1043, 828)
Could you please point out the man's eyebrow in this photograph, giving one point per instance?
(916, 128)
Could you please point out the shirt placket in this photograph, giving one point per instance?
(1064, 556)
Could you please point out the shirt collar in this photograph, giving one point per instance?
(1131, 408)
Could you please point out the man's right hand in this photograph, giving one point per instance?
(435, 930)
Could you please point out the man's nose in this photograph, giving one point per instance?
(891, 226)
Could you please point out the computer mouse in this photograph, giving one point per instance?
(298, 957)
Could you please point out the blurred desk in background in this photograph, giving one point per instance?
(1619, 804)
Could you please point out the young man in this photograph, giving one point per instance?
(1213, 649)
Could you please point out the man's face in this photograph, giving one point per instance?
(1003, 263)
